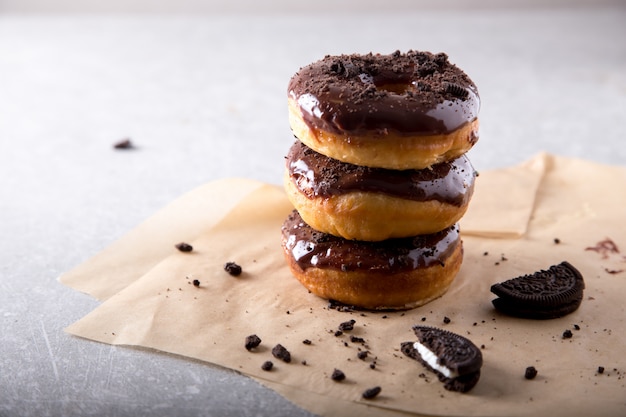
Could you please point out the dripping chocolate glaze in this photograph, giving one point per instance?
(311, 248)
(317, 175)
(409, 93)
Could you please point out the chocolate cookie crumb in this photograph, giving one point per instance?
(123, 144)
(446, 320)
(557, 240)
(338, 333)
(372, 365)
(252, 341)
(338, 375)
(184, 247)
(306, 341)
(196, 283)
(346, 326)
(267, 366)
(567, 334)
(370, 393)
(600, 369)
(576, 327)
(281, 353)
(232, 268)
(362, 354)
(530, 373)
(356, 339)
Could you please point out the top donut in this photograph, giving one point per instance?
(397, 111)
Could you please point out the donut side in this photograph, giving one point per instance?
(393, 274)
(375, 204)
(371, 216)
(385, 149)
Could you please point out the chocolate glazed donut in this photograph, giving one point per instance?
(398, 111)
(373, 204)
(392, 274)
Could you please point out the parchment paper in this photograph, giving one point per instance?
(577, 202)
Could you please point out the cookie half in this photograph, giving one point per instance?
(454, 359)
(542, 295)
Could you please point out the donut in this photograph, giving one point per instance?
(391, 274)
(399, 111)
(372, 204)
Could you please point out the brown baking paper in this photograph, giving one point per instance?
(162, 309)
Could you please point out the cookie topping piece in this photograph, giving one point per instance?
(547, 294)
(455, 359)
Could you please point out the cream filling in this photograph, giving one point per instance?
(431, 359)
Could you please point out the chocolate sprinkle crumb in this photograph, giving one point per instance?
(252, 341)
(267, 366)
(232, 268)
(446, 320)
(530, 373)
(370, 393)
(600, 369)
(281, 353)
(184, 247)
(306, 341)
(567, 334)
(338, 375)
(196, 283)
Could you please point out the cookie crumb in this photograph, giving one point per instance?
(184, 247)
(280, 352)
(232, 268)
(362, 354)
(346, 326)
(338, 375)
(446, 320)
(557, 240)
(370, 393)
(252, 341)
(123, 144)
(267, 366)
(531, 372)
(306, 341)
(567, 334)
(196, 283)
(600, 369)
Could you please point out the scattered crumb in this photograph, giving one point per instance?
(531, 372)
(338, 375)
(280, 352)
(123, 144)
(267, 366)
(370, 393)
(184, 247)
(252, 341)
(232, 268)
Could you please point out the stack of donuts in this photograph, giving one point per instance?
(378, 177)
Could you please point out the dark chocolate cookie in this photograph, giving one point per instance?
(542, 295)
(455, 359)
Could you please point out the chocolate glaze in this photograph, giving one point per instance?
(416, 93)
(311, 248)
(317, 175)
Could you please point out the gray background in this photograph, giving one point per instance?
(200, 88)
